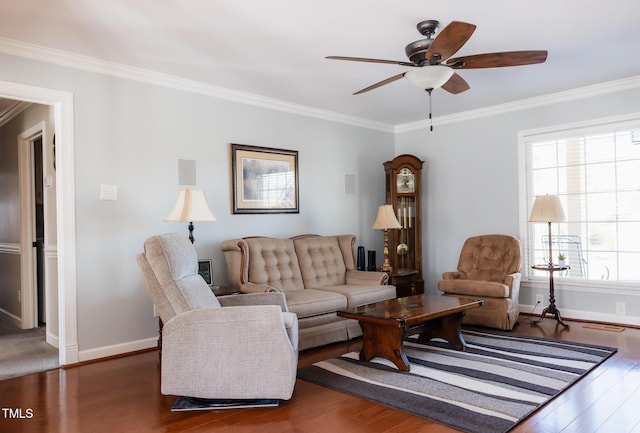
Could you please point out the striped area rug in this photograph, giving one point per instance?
(497, 382)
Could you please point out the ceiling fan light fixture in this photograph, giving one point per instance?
(429, 77)
(433, 66)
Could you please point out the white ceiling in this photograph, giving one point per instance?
(276, 48)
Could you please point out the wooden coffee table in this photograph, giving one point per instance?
(385, 324)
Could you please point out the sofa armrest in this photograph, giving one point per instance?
(364, 278)
(454, 275)
(249, 344)
(236, 255)
(265, 298)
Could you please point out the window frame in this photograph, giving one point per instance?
(553, 133)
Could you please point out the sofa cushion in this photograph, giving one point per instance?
(362, 295)
(474, 288)
(321, 261)
(273, 262)
(310, 302)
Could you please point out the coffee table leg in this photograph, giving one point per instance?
(385, 342)
(447, 327)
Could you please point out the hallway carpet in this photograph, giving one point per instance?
(24, 352)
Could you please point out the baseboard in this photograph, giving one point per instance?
(9, 318)
(117, 349)
(52, 339)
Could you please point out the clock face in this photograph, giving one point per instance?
(405, 181)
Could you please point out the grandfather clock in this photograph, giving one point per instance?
(402, 187)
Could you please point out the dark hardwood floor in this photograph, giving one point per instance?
(123, 395)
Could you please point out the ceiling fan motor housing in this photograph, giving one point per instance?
(416, 50)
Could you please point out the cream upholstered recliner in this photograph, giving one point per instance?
(240, 347)
(488, 269)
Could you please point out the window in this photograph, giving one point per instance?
(595, 170)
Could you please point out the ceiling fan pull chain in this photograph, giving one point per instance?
(430, 116)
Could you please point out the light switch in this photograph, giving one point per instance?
(108, 192)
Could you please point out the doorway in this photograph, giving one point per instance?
(64, 271)
(27, 341)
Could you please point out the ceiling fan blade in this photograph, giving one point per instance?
(456, 84)
(365, 59)
(380, 83)
(450, 40)
(498, 60)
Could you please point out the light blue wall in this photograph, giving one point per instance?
(132, 134)
(471, 184)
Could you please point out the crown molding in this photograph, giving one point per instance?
(12, 111)
(65, 58)
(524, 104)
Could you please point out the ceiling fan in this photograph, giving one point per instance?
(434, 67)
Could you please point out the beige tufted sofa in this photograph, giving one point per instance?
(318, 276)
(488, 269)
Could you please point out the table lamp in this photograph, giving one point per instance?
(386, 220)
(547, 209)
(191, 206)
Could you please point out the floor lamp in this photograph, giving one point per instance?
(386, 220)
(547, 209)
(191, 206)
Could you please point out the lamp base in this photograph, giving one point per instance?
(386, 265)
(190, 227)
(550, 249)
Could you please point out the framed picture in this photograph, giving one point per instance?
(264, 180)
(204, 269)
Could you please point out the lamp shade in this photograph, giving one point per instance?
(191, 205)
(386, 218)
(547, 208)
(429, 77)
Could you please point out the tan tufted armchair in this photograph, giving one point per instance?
(488, 269)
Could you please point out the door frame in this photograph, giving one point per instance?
(62, 103)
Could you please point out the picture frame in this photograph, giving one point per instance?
(205, 267)
(264, 180)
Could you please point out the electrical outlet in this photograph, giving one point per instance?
(621, 308)
(539, 299)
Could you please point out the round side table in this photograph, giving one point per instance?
(551, 310)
